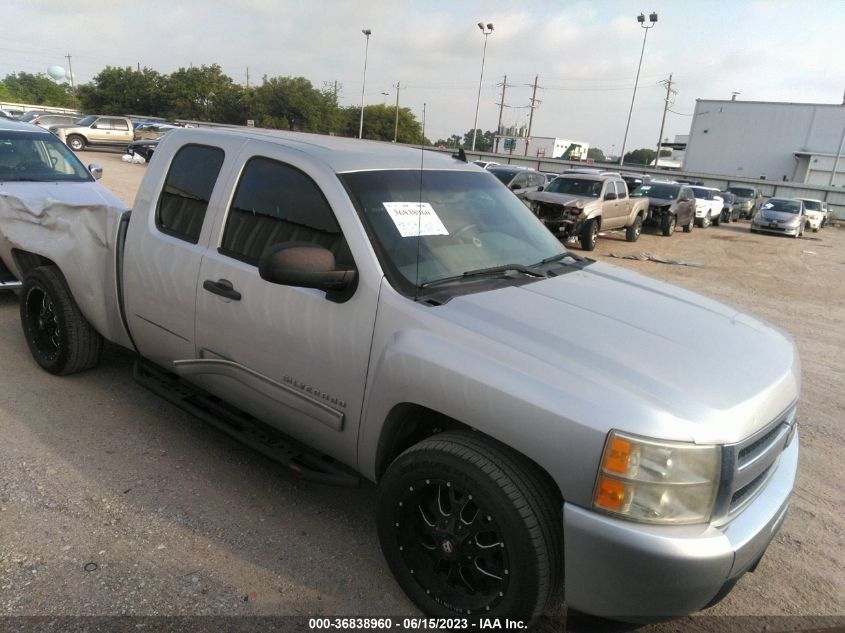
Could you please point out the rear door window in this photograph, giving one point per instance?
(187, 190)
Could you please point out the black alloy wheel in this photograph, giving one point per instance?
(470, 528)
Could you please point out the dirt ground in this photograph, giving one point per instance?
(112, 502)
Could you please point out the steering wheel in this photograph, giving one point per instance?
(27, 165)
(461, 233)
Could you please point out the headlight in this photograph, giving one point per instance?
(652, 481)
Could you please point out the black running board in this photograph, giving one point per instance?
(299, 458)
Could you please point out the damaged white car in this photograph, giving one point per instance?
(39, 172)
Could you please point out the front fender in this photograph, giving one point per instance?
(421, 368)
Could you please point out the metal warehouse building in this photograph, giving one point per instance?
(795, 142)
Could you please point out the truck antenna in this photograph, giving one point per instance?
(419, 208)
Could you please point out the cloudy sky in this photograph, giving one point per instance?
(585, 53)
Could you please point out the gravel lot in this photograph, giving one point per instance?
(114, 502)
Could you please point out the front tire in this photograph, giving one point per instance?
(589, 234)
(60, 339)
(632, 233)
(76, 142)
(667, 224)
(691, 225)
(468, 527)
(705, 221)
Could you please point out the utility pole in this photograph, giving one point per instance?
(533, 105)
(139, 66)
(70, 72)
(501, 105)
(669, 91)
(396, 125)
(247, 76)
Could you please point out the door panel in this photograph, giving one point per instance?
(287, 355)
(165, 248)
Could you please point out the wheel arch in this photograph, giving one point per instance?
(24, 261)
(408, 423)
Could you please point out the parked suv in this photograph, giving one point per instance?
(748, 198)
(96, 130)
(815, 213)
(730, 207)
(670, 205)
(708, 206)
(520, 180)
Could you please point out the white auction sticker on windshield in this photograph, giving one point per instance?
(415, 218)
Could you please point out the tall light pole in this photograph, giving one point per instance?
(367, 33)
(487, 30)
(641, 19)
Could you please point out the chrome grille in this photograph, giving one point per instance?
(747, 465)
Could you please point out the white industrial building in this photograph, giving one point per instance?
(796, 142)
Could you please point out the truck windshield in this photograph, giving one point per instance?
(812, 205)
(742, 192)
(435, 224)
(38, 157)
(576, 186)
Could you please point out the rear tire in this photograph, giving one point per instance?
(470, 528)
(632, 233)
(60, 339)
(76, 142)
(589, 235)
(667, 224)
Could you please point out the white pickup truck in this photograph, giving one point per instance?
(534, 420)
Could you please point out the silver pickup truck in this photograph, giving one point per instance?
(540, 426)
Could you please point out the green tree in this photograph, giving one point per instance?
(483, 140)
(640, 156)
(596, 154)
(380, 122)
(37, 89)
(293, 103)
(124, 91)
(201, 93)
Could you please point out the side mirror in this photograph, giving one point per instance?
(610, 196)
(540, 188)
(305, 265)
(96, 170)
(516, 186)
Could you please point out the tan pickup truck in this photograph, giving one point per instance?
(579, 205)
(96, 130)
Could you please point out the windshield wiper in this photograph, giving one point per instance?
(480, 272)
(553, 258)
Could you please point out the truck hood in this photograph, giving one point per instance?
(636, 345)
(563, 199)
